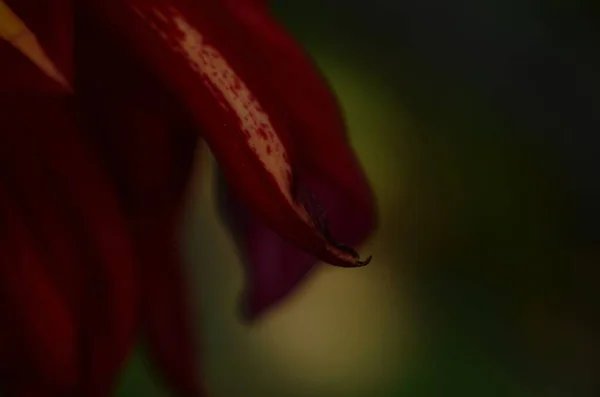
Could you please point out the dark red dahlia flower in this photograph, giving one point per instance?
(102, 103)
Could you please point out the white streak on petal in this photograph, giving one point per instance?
(228, 88)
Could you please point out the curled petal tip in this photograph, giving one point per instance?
(360, 263)
(349, 257)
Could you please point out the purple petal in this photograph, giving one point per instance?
(275, 267)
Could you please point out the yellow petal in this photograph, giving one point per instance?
(16, 32)
(10, 25)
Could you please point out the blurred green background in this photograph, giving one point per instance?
(477, 287)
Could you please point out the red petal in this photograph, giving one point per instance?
(315, 119)
(166, 312)
(38, 196)
(274, 266)
(111, 294)
(11, 357)
(102, 231)
(199, 51)
(139, 129)
(25, 390)
(148, 144)
(43, 319)
(32, 290)
(326, 165)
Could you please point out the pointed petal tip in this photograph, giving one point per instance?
(345, 256)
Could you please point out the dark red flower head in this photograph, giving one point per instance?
(102, 103)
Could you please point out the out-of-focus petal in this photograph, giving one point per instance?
(112, 267)
(54, 238)
(41, 313)
(149, 147)
(26, 391)
(44, 321)
(166, 310)
(200, 53)
(7, 336)
(27, 178)
(139, 130)
(102, 234)
(13, 362)
(51, 21)
(19, 75)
